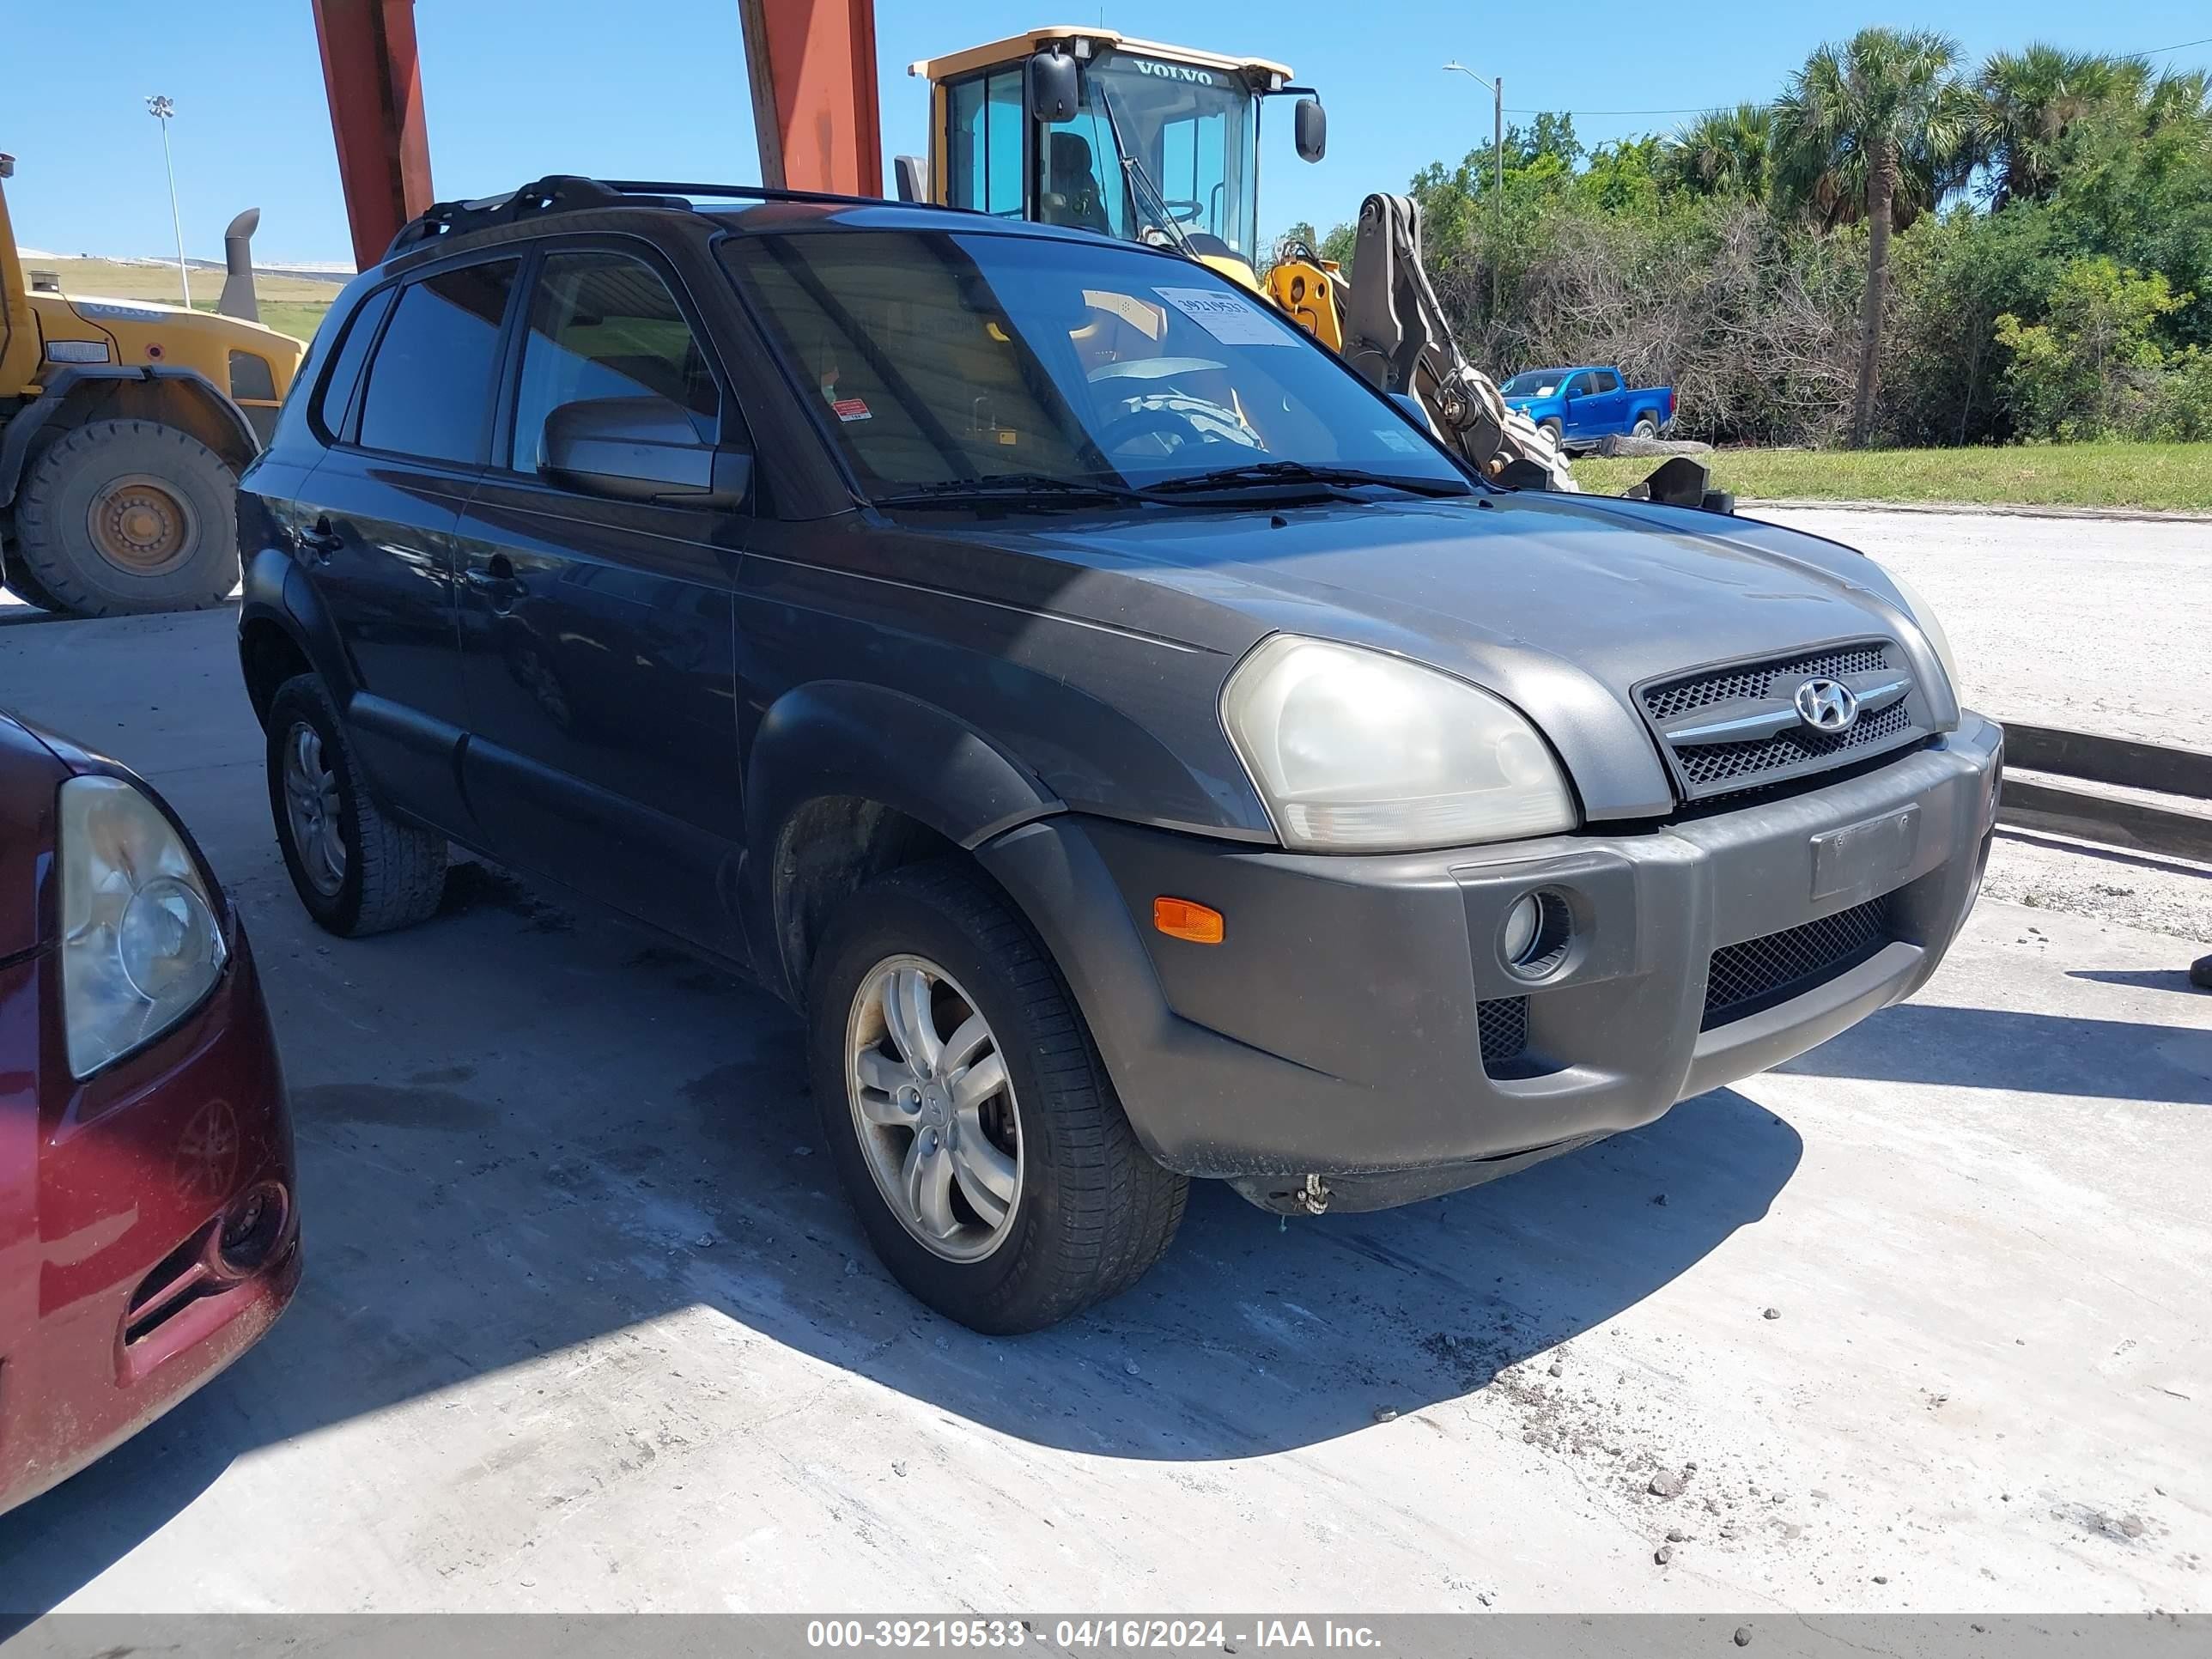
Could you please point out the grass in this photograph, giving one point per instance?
(2167, 477)
(291, 304)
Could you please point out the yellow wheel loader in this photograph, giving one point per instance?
(1160, 144)
(124, 426)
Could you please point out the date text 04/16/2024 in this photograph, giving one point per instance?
(1073, 1635)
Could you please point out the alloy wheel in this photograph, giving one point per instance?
(311, 805)
(934, 1107)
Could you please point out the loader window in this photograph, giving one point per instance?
(1194, 130)
(985, 116)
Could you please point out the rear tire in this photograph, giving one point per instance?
(356, 869)
(1090, 1210)
(1645, 427)
(119, 517)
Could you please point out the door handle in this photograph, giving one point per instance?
(496, 579)
(320, 543)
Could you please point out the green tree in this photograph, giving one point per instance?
(1875, 129)
(1724, 152)
(2090, 368)
(2029, 100)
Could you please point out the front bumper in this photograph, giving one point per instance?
(121, 1182)
(1336, 1031)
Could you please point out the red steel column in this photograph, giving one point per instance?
(813, 65)
(375, 92)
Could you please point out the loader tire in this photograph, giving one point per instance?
(119, 517)
(22, 584)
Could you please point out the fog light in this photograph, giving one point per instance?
(251, 1229)
(1536, 933)
(1522, 922)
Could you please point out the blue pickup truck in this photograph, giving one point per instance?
(1582, 405)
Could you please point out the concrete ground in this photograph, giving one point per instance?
(587, 1326)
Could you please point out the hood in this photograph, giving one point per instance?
(31, 774)
(1560, 603)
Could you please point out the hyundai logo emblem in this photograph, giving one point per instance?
(1826, 706)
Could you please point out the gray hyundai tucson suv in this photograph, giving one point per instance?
(1137, 747)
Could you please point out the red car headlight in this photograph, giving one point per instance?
(140, 943)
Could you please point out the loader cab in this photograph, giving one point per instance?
(1044, 125)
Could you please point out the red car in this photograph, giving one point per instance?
(148, 1229)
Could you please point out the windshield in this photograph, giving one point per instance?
(1192, 130)
(941, 357)
(1534, 383)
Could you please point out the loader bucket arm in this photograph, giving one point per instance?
(1396, 334)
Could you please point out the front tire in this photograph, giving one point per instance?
(119, 517)
(356, 869)
(975, 1127)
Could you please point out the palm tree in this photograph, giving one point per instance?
(1878, 129)
(2028, 100)
(1723, 152)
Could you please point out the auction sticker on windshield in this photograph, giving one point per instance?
(1229, 320)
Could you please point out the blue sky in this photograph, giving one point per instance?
(657, 87)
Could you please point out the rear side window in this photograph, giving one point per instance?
(1605, 380)
(337, 395)
(429, 387)
(605, 326)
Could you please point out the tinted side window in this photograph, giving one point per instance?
(429, 388)
(1606, 380)
(345, 368)
(605, 326)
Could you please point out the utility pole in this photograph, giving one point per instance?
(161, 109)
(1497, 157)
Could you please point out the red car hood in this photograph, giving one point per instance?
(30, 776)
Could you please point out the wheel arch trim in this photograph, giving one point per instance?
(274, 594)
(848, 739)
(68, 391)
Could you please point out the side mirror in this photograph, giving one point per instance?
(1054, 93)
(641, 449)
(1309, 126)
(907, 170)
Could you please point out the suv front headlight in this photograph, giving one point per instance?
(1923, 616)
(1357, 751)
(140, 943)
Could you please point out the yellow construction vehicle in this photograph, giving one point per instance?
(124, 426)
(1160, 144)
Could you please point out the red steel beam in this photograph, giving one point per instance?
(813, 65)
(376, 91)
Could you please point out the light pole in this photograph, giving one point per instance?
(1497, 156)
(161, 109)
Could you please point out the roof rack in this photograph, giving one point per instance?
(564, 192)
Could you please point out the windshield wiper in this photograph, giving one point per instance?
(1010, 487)
(1300, 472)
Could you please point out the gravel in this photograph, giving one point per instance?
(2090, 624)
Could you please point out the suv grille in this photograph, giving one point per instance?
(1756, 679)
(1778, 746)
(1706, 764)
(1760, 972)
